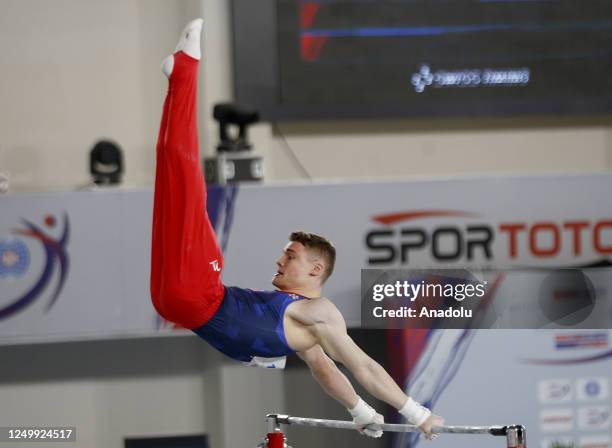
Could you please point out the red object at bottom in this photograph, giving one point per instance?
(276, 440)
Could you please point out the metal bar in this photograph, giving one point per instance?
(388, 427)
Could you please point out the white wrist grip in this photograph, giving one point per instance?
(362, 409)
(414, 412)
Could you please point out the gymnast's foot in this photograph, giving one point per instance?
(189, 43)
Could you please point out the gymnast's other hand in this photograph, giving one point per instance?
(432, 421)
(364, 415)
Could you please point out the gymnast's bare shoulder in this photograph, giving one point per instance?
(307, 321)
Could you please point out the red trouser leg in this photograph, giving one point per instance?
(186, 261)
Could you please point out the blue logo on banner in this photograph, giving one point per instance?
(592, 388)
(14, 258)
(15, 261)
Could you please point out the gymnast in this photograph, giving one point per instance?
(255, 327)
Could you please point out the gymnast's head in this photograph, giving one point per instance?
(306, 263)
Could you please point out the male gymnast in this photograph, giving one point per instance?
(248, 325)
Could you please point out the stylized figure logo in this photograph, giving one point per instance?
(55, 251)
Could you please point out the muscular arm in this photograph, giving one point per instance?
(330, 332)
(329, 377)
(326, 324)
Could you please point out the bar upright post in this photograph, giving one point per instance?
(275, 436)
(515, 436)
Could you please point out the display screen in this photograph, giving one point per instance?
(393, 58)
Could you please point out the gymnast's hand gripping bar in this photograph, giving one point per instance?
(515, 434)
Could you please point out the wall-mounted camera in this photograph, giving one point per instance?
(234, 161)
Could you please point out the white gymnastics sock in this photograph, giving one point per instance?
(189, 43)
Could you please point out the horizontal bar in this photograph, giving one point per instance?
(388, 427)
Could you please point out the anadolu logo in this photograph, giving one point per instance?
(15, 260)
(468, 238)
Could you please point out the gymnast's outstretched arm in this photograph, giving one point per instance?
(337, 385)
(331, 379)
(329, 329)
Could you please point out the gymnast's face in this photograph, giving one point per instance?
(297, 268)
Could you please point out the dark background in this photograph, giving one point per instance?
(365, 65)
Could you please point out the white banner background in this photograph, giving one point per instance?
(106, 289)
